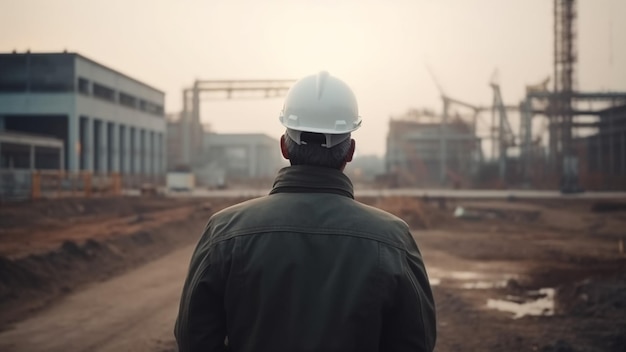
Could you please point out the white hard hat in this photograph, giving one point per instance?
(321, 103)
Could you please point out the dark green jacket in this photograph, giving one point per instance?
(306, 268)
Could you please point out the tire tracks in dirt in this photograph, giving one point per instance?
(131, 312)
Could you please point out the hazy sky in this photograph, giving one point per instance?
(380, 47)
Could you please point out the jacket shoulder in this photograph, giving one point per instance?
(311, 212)
(391, 226)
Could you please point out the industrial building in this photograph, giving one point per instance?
(174, 144)
(415, 154)
(225, 158)
(65, 111)
(602, 154)
(30, 152)
(567, 139)
(240, 157)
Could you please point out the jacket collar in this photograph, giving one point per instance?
(312, 179)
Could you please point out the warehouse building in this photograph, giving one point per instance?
(99, 119)
(238, 159)
(243, 156)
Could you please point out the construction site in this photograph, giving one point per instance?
(564, 139)
(518, 206)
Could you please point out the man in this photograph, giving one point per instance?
(308, 268)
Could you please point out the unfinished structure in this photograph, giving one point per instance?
(587, 138)
(416, 156)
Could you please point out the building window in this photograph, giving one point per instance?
(83, 85)
(128, 100)
(103, 92)
(142, 105)
(150, 108)
(14, 73)
(51, 73)
(154, 109)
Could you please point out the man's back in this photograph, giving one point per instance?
(307, 269)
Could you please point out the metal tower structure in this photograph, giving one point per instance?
(505, 137)
(565, 58)
(444, 137)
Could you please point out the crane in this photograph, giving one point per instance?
(448, 101)
(506, 138)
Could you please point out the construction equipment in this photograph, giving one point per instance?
(506, 138)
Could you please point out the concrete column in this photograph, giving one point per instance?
(73, 146)
(31, 162)
(155, 153)
(88, 148)
(137, 151)
(164, 148)
(126, 150)
(142, 151)
(130, 147)
(115, 148)
(132, 169)
(162, 152)
(61, 158)
(104, 152)
(149, 154)
(623, 153)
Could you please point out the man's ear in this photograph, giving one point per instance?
(350, 154)
(283, 147)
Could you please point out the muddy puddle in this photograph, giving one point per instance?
(530, 303)
(535, 303)
(469, 279)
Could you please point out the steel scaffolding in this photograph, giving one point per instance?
(192, 130)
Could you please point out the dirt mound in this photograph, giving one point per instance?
(411, 210)
(608, 206)
(595, 297)
(29, 283)
(58, 212)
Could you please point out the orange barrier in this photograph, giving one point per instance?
(37, 184)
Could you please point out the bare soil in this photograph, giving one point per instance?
(515, 249)
(49, 249)
(106, 273)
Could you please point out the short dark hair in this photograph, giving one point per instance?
(314, 154)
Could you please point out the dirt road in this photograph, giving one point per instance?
(136, 311)
(131, 312)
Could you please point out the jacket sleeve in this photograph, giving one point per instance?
(201, 322)
(409, 322)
